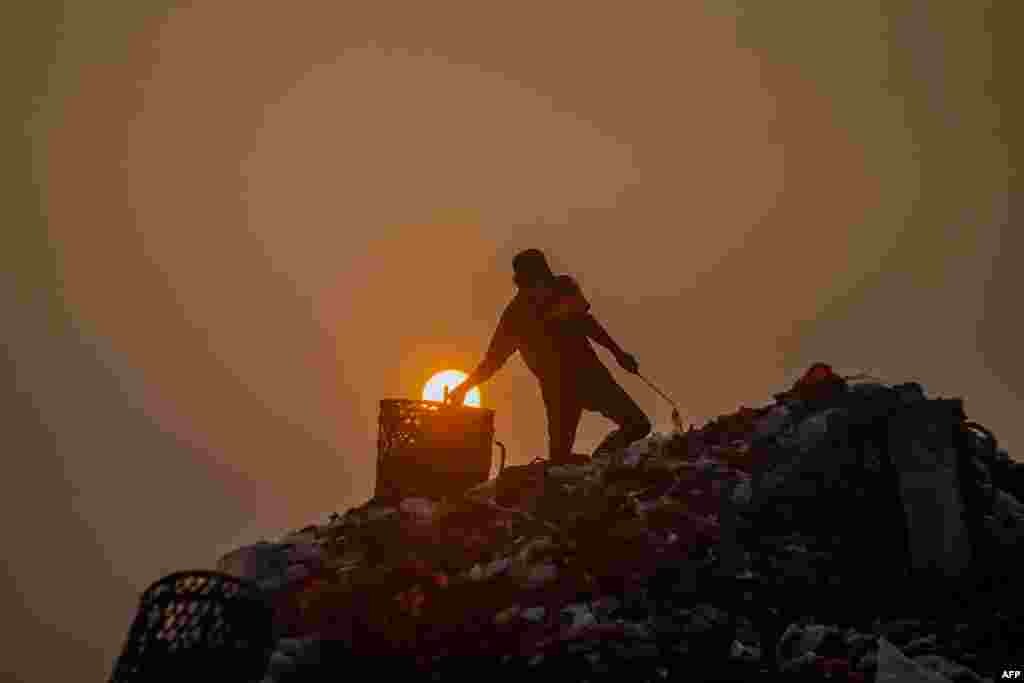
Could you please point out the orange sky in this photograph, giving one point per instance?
(253, 223)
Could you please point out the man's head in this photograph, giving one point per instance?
(531, 269)
(533, 276)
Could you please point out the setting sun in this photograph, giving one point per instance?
(434, 389)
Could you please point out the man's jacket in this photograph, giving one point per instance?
(552, 340)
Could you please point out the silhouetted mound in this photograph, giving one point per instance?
(849, 531)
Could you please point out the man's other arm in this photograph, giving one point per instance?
(503, 345)
(573, 307)
(594, 330)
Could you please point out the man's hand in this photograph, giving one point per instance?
(457, 395)
(628, 363)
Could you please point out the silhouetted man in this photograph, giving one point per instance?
(549, 323)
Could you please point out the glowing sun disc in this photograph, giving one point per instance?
(434, 388)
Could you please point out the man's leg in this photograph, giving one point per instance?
(612, 401)
(564, 413)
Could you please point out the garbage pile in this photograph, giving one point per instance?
(850, 531)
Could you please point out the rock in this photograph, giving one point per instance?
(895, 667)
(910, 392)
(859, 644)
(578, 616)
(301, 538)
(744, 652)
(281, 665)
(1006, 523)
(899, 631)
(868, 390)
(570, 473)
(773, 423)
(270, 565)
(811, 639)
(255, 561)
(497, 568)
(921, 646)
(869, 662)
(305, 553)
(380, 512)
(800, 663)
(606, 606)
(834, 668)
(813, 430)
(507, 615)
(296, 573)
(951, 670)
(534, 614)
(291, 647)
(419, 509)
(926, 461)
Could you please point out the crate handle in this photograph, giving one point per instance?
(500, 445)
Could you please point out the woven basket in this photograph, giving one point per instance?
(432, 450)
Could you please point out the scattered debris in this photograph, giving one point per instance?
(790, 540)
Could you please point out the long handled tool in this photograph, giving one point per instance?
(677, 420)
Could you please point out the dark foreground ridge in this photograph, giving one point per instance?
(850, 531)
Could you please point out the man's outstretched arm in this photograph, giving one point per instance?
(503, 345)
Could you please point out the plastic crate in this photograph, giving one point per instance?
(199, 626)
(432, 450)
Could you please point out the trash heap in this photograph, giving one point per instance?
(849, 531)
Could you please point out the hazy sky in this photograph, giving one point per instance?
(234, 227)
